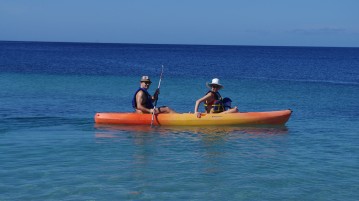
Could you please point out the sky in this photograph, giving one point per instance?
(324, 23)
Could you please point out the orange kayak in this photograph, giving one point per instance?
(190, 119)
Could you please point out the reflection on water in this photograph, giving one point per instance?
(210, 132)
(201, 157)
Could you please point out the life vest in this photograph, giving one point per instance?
(227, 103)
(148, 103)
(217, 103)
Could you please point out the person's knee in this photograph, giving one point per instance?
(169, 110)
(163, 109)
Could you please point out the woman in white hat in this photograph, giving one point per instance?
(213, 101)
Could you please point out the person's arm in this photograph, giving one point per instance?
(199, 101)
(139, 101)
(155, 95)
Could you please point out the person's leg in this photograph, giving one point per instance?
(165, 109)
(232, 110)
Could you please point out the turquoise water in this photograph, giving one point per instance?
(52, 150)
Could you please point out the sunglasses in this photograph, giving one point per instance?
(215, 86)
(147, 83)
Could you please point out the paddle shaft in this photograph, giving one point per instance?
(154, 107)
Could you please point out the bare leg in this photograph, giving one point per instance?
(166, 110)
(232, 110)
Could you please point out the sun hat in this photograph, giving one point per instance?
(145, 78)
(215, 81)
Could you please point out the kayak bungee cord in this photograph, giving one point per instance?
(158, 88)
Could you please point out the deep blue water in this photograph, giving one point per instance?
(52, 150)
(283, 63)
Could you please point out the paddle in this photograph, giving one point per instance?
(158, 88)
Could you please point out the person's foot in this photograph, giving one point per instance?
(235, 109)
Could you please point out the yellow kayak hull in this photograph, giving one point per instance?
(190, 119)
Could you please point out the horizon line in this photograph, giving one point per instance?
(179, 44)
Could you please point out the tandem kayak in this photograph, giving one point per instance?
(190, 119)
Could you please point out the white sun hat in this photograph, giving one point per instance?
(215, 81)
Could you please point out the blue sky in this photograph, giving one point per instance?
(213, 22)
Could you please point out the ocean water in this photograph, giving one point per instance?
(51, 149)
